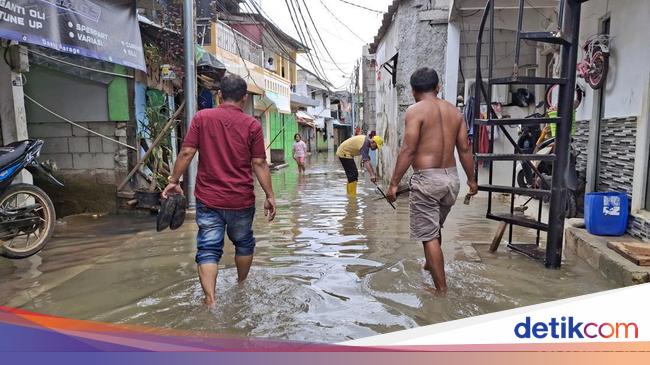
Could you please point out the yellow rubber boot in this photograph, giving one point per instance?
(352, 189)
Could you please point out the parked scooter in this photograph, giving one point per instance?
(27, 214)
(526, 178)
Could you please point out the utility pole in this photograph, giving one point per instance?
(189, 33)
(12, 99)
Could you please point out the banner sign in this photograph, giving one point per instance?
(104, 30)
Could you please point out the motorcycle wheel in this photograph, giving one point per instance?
(521, 179)
(598, 74)
(17, 244)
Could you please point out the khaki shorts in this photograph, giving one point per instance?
(433, 193)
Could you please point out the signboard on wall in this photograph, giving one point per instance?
(104, 30)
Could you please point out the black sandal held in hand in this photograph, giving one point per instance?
(179, 212)
(165, 214)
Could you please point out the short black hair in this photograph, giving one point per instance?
(233, 88)
(424, 79)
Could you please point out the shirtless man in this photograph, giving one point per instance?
(434, 128)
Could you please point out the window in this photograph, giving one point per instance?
(324, 99)
(313, 95)
(203, 33)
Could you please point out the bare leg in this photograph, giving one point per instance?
(436, 262)
(208, 278)
(427, 264)
(243, 266)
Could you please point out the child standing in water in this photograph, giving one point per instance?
(299, 152)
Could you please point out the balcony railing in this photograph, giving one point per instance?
(236, 43)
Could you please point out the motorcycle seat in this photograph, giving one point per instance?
(12, 152)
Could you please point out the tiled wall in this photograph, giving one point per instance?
(618, 146)
(580, 142)
(639, 227)
(617, 151)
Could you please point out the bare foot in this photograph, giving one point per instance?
(210, 302)
(436, 292)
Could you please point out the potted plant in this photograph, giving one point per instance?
(156, 168)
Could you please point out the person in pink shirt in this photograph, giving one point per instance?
(299, 152)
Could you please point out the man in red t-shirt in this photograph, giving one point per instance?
(231, 148)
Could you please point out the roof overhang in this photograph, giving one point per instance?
(470, 8)
(302, 101)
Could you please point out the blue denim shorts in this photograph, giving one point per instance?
(214, 224)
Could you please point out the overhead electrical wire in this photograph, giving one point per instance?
(361, 6)
(303, 38)
(341, 22)
(278, 42)
(248, 71)
(321, 38)
(254, 8)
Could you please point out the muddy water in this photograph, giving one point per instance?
(329, 269)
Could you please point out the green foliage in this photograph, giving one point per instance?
(153, 125)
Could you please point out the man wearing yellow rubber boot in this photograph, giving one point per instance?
(357, 146)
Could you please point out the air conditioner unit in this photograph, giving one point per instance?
(500, 93)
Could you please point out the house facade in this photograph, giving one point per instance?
(318, 93)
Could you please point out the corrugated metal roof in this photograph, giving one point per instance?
(385, 24)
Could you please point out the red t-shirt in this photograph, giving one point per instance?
(227, 140)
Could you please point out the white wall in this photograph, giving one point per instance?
(321, 111)
(629, 70)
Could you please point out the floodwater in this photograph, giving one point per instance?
(327, 270)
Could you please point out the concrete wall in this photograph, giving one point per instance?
(369, 77)
(89, 166)
(419, 42)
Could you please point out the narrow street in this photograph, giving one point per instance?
(327, 270)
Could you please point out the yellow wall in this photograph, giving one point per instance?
(290, 68)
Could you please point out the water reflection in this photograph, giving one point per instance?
(329, 269)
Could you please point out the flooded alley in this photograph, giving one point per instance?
(327, 270)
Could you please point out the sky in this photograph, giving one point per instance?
(343, 45)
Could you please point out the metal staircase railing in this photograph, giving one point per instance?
(556, 191)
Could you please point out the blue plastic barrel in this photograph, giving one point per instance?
(606, 214)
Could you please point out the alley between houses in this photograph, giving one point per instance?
(327, 270)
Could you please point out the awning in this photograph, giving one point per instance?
(305, 119)
(263, 103)
(304, 115)
(207, 59)
(338, 124)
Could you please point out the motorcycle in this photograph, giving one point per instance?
(27, 213)
(526, 178)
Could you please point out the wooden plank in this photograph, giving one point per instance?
(638, 253)
(498, 236)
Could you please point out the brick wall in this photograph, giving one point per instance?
(89, 166)
(618, 147)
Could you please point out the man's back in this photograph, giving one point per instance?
(440, 123)
(227, 140)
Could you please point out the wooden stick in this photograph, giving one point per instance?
(498, 236)
(155, 143)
